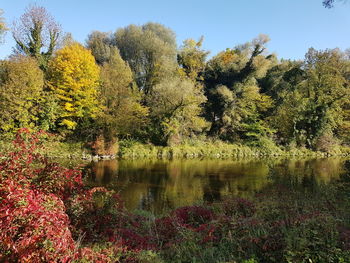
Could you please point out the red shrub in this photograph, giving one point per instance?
(33, 226)
(26, 166)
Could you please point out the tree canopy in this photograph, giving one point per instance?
(21, 86)
(150, 51)
(137, 83)
(73, 79)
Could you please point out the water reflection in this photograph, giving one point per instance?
(160, 185)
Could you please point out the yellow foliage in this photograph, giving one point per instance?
(73, 78)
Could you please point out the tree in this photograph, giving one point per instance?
(315, 110)
(150, 51)
(327, 89)
(73, 79)
(281, 83)
(192, 59)
(235, 102)
(175, 109)
(123, 114)
(36, 34)
(21, 86)
(100, 45)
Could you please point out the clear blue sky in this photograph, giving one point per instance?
(293, 25)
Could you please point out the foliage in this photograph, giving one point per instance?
(192, 59)
(330, 3)
(34, 226)
(150, 50)
(100, 45)
(21, 85)
(123, 112)
(316, 106)
(33, 223)
(235, 103)
(176, 110)
(73, 79)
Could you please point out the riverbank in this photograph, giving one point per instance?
(199, 149)
(220, 150)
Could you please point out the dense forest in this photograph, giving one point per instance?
(137, 84)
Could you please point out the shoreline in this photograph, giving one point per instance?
(203, 150)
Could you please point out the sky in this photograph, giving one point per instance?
(293, 25)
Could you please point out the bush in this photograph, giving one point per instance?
(33, 226)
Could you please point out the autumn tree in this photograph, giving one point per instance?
(36, 34)
(235, 102)
(73, 79)
(192, 59)
(150, 51)
(21, 87)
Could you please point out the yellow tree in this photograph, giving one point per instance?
(73, 77)
(21, 86)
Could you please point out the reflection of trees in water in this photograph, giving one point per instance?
(101, 173)
(307, 175)
(161, 185)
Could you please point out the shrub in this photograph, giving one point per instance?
(33, 226)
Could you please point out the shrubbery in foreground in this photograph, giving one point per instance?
(48, 215)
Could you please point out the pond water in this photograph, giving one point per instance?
(161, 185)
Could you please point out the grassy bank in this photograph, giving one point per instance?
(218, 149)
(52, 148)
(129, 149)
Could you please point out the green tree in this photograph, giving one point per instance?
(313, 114)
(100, 45)
(36, 34)
(123, 114)
(235, 102)
(73, 78)
(150, 51)
(21, 87)
(175, 109)
(281, 83)
(192, 59)
(327, 89)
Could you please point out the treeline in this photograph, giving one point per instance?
(136, 83)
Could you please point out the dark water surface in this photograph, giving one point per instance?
(161, 185)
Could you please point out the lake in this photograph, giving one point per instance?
(162, 185)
